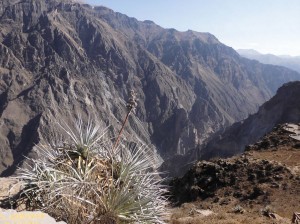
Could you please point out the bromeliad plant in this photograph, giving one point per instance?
(87, 180)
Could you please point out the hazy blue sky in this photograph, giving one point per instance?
(269, 26)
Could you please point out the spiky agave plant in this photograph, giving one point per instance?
(87, 180)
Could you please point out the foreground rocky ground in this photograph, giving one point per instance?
(260, 186)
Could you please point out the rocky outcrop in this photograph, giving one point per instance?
(59, 59)
(282, 135)
(242, 178)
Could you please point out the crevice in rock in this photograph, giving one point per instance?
(3, 101)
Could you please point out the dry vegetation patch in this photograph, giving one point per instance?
(260, 186)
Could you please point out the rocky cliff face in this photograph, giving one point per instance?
(284, 107)
(59, 59)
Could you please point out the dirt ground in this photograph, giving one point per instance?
(260, 186)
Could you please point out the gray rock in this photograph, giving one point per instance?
(12, 216)
(9, 188)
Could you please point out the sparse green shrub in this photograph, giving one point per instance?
(84, 179)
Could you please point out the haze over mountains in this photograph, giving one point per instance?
(59, 59)
(292, 62)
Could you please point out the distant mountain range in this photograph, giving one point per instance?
(282, 60)
(59, 59)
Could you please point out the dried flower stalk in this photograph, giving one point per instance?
(131, 107)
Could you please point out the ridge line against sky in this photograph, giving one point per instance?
(268, 26)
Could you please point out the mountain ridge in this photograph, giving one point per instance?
(291, 62)
(59, 59)
(282, 108)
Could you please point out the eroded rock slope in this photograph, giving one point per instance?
(60, 59)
